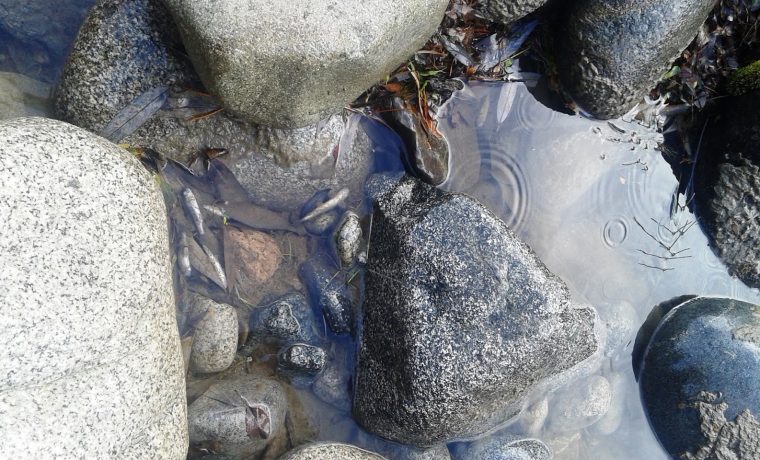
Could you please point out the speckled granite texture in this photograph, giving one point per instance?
(329, 450)
(461, 320)
(90, 365)
(290, 64)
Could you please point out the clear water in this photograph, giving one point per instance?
(598, 204)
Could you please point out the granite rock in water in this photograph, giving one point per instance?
(287, 320)
(172, 114)
(508, 11)
(461, 319)
(216, 336)
(706, 349)
(22, 96)
(727, 185)
(329, 450)
(328, 288)
(291, 64)
(241, 415)
(611, 53)
(580, 404)
(503, 447)
(44, 26)
(91, 364)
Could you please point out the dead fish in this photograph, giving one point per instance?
(328, 205)
(192, 208)
(206, 263)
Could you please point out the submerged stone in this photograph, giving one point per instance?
(216, 336)
(22, 96)
(242, 416)
(611, 53)
(91, 364)
(292, 64)
(461, 320)
(151, 97)
(698, 378)
(331, 450)
(727, 185)
(503, 447)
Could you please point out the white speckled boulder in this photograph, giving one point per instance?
(292, 63)
(90, 365)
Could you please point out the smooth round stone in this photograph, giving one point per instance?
(503, 447)
(91, 364)
(241, 415)
(216, 336)
(580, 404)
(291, 64)
(330, 450)
(21, 96)
(698, 378)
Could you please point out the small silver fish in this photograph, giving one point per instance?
(191, 205)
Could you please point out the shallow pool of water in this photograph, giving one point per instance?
(600, 206)
(596, 201)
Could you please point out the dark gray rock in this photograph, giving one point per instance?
(287, 320)
(281, 169)
(698, 378)
(611, 53)
(301, 359)
(291, 65)
(333, 383)
(44, 29)
(328, 289)
(461, 320)
(508, 11)
(727, 185)
(503, 447)
(329, 450)
(427, 155)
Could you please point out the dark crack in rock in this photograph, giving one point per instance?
(610, 53)
(461, 320)
(698, 379)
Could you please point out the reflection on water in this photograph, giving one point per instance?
(599, 205)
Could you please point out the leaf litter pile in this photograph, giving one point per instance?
(471, 46)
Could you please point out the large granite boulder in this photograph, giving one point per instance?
(698, 361)
(290, 64)
(611, 53)
(727, 185)
(508, 11)
(461, 320)
(129, 79)
(91, 364)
